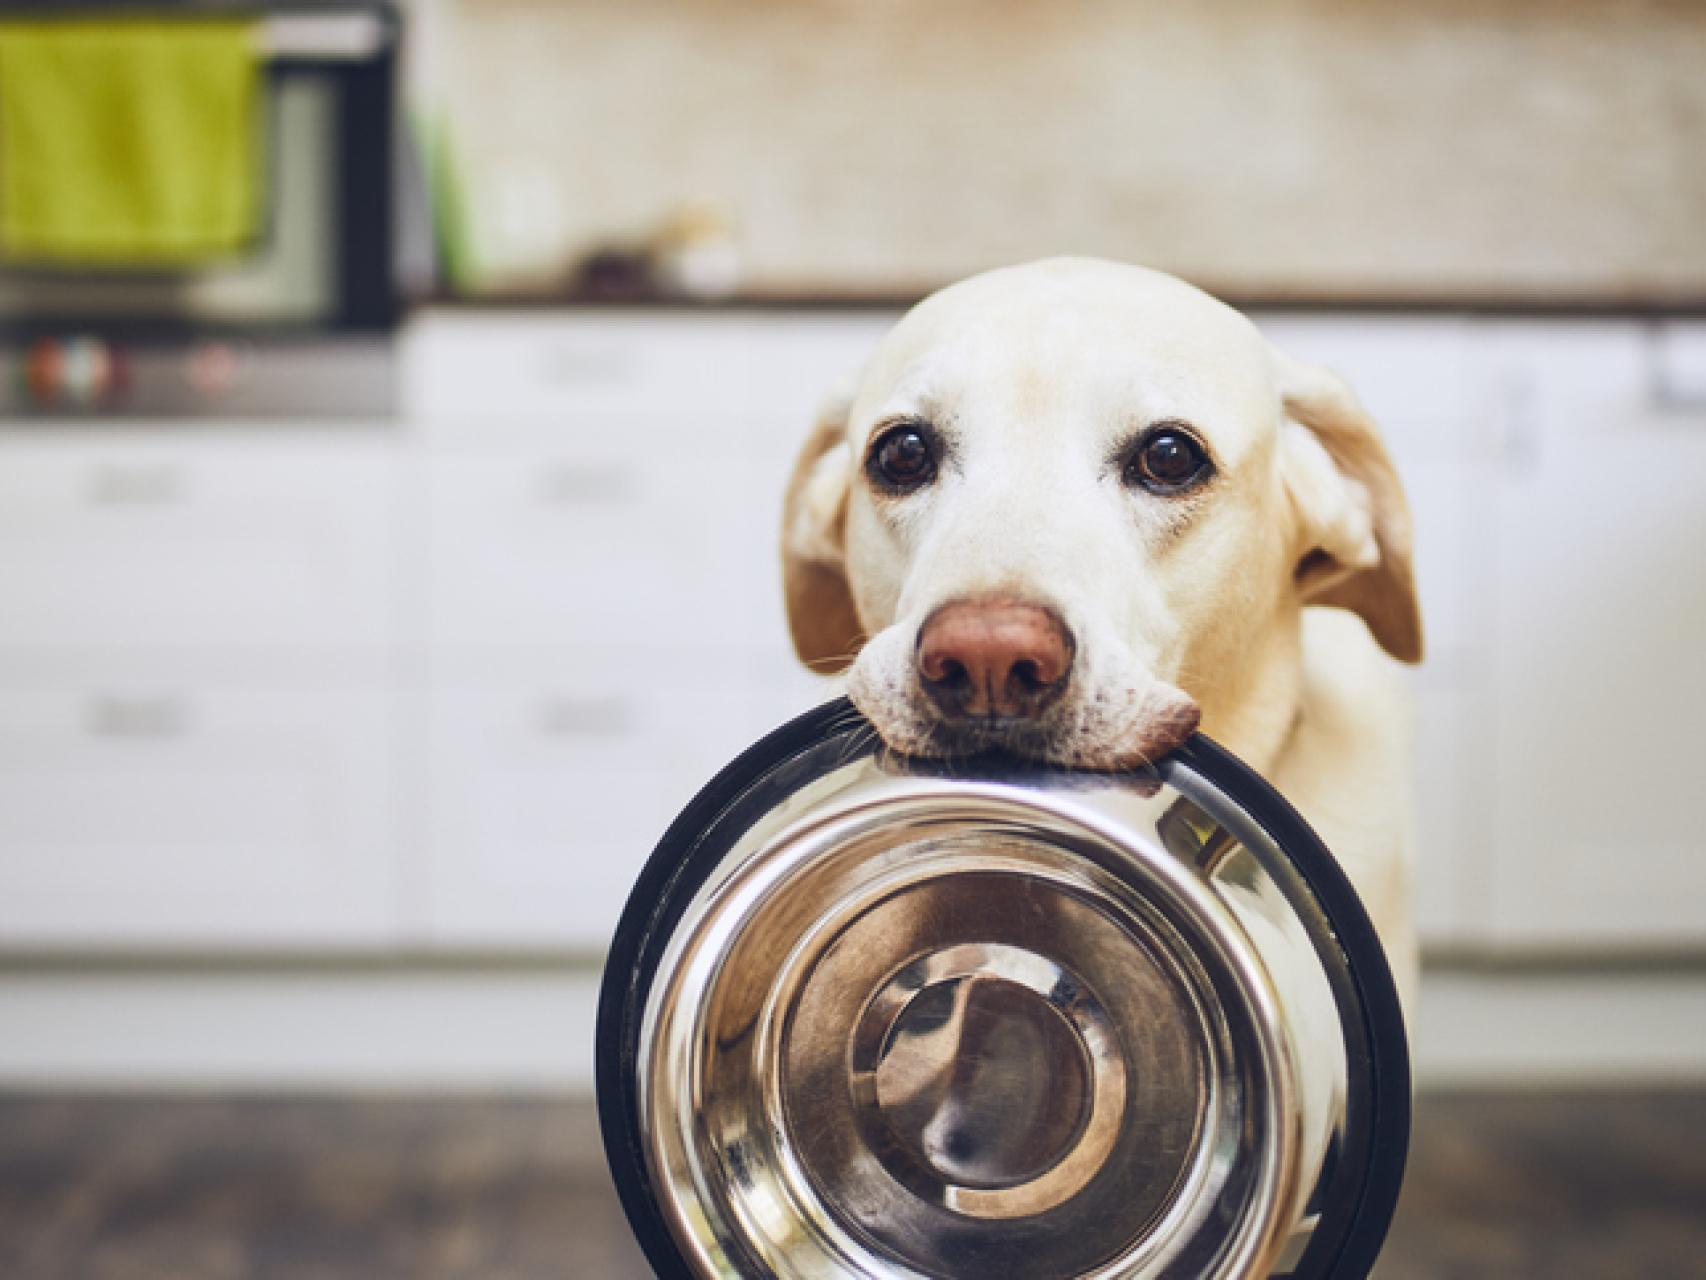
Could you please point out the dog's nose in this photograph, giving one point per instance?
(993, 659)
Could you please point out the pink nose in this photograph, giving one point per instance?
(993, 659)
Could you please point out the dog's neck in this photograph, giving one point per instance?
(1255, 709)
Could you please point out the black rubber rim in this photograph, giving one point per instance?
(1362, 1193)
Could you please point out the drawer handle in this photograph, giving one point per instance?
(574, 485)
(115, 484)
(1676, 384)
(1519, 427)
(586, 717)
(116, 716)
(572, 366)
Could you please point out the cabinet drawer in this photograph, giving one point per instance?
(1564, 377)
(1446, 779)
(802, 360)
(464, 371)
(160, 813)
(1599, 694)
(1453, 559)
(1677, 368)
(547, 795)
(157, 543)
(1417, 377)
(601, 549)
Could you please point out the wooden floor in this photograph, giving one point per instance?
(1573, 1187)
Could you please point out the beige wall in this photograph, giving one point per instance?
(1322, 148)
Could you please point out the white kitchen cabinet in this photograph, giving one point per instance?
(803, 361)
(445, 684)
(1442, 807)
(1451, 482)
(547, 784)
(1599, 621)
(217, 539)
(153, 808)
(1416, 375)
(197, 738)
(602, 588)
(594, 545)
(549, 789)
(465, 373)
(577, 516)
(484, 378)
(1449, 504)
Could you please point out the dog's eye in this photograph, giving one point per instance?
(903, 458)
(1167, 460)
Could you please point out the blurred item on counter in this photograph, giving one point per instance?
(693, 254)
(696, 253)
(614, 272)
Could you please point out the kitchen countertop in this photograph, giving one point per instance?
(1562, 306)
(1520, 1185)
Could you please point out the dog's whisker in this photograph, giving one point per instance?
(832, 663)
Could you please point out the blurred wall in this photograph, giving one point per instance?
(1317, 148)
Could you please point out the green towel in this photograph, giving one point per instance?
(128, 142)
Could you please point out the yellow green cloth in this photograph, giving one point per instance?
(128, 141)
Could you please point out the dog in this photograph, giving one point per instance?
(1078, 509)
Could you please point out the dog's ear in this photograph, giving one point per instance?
(1355, 547)
(821, 614)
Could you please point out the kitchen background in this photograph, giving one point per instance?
(387, 544)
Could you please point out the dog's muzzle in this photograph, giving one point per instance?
(869, 1017)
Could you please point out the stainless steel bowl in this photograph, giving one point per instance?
(874, 1017)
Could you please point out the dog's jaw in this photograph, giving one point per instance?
(1101, 722)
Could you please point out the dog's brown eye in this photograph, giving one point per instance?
(903, 458)
(1167, 461)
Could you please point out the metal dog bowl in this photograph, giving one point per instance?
(873, 1017)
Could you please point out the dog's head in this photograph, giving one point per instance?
(1066, 505)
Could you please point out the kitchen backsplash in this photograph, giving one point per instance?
(1320, 149)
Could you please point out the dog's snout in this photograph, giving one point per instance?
(994, 659)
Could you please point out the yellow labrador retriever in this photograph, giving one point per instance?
(1078, 508)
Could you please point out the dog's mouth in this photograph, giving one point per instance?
(1070, 736)
(1117, 716)
(995, 735)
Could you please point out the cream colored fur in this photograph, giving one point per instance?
(1211, 601)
